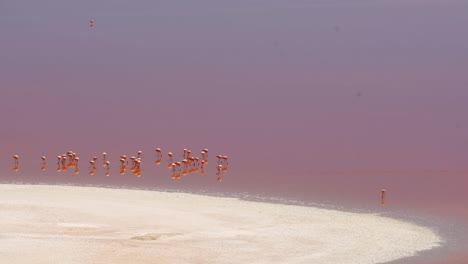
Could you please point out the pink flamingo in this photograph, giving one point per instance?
(383, 193)
(43, 163)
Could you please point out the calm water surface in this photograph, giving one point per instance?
(323, 101)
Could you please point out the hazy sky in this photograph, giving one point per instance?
(287, 89)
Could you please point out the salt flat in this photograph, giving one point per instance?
(63, 224)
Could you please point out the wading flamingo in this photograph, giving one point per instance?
(16, 163)
(382, 196)
(43, 163)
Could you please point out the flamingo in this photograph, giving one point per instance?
(178, 170)
(16, 163)
(75, 162)
(107, 165)
(133, 167)
(123, 167)
(16, 159)
(70, 158)
(185, 163)
(196, 164)
(43, 163)
(92, 167)
(205, 155)
(92, 164)
(137, 170)
(219, 173)
(104, 161)
(191, 164)
(174, 170)
(202, 167)
(169, 159)
(124, 157)
(382, 197)
(225, 162)
(158, 156)
(74, 156)
(59, 161)
(64, 162)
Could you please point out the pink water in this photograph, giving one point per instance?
(319, 101)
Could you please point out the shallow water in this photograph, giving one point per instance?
(322, 102)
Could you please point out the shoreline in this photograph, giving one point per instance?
(258, 199)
